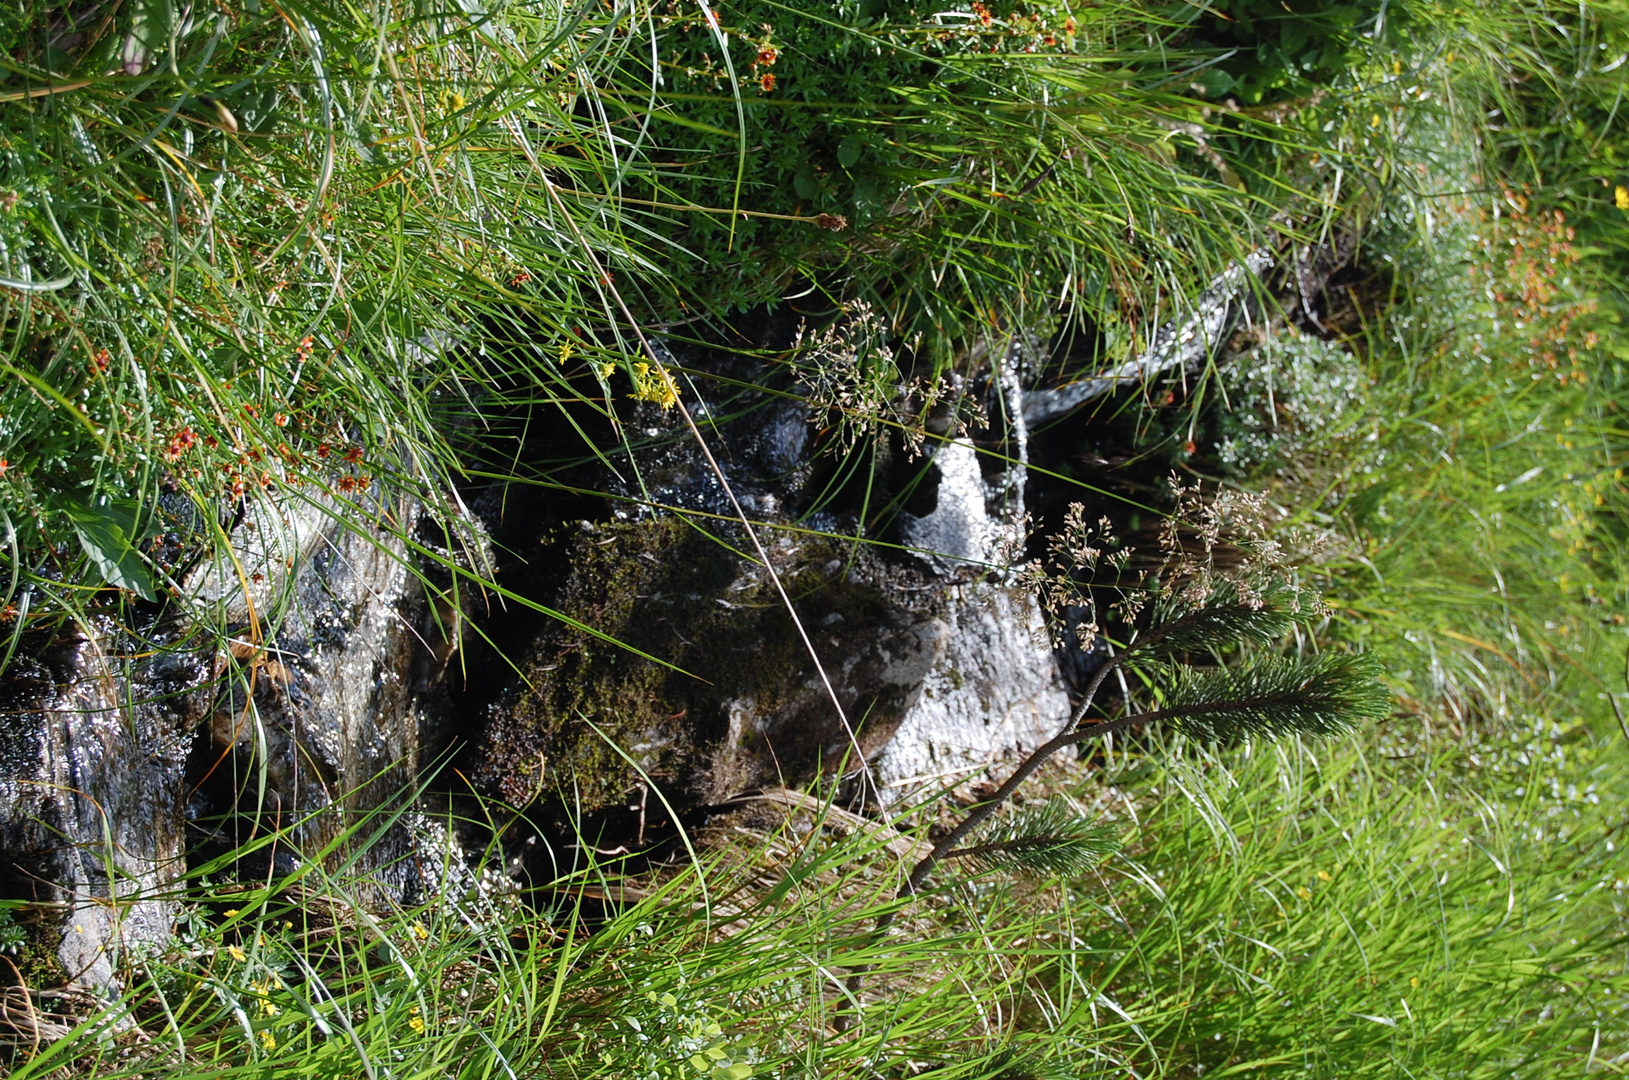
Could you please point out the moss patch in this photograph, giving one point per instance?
(675, 593)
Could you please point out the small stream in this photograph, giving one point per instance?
(367, 690)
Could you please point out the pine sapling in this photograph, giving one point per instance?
(1184, 605)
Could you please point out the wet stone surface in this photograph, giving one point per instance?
(91, 782)
(725, 697)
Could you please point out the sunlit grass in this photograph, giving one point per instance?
(281, 268)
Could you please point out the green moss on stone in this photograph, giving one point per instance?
(668, 590)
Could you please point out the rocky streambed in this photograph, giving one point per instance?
(587, 664)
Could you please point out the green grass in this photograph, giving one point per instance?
(239, 258)
(1390, 905)
(221, 274)
(1441, 907)
(293, 254)
(1468, 491)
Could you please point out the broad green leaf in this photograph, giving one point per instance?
(849, 151)
(104, 532)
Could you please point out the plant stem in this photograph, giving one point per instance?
(981, 813)
(1066, 736)
(825, 221)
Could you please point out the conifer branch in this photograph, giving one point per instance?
(1319, 695)
(1229, 611)
(1049, 838)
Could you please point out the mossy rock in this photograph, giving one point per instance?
(736, 703)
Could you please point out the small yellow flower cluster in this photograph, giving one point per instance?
(654, 385)
(264, 987)
(416, 1022)
(1322, 875)
(1621, 197)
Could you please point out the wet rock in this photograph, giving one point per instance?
(994, 694)
(956, 534)
(269, 538)
(120, 763)
(940, 668)
(711, 690)
(90, 794)
(335, 703)
(783, 445)
(1183, 343)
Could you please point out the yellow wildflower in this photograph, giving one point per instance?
(420, 932)
(607, 369)
(1323, 875)
(566, 349)
(235, 952)
(655, 385)
(1621, 197)
(1304, 893)
(416, 1022)
(1374, 121)
(1414, 983)
(268, 1040)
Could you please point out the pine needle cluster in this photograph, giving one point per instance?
(1229, 611)
(1049, 838)
(1321, 695)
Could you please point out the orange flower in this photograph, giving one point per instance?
(766, 82)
